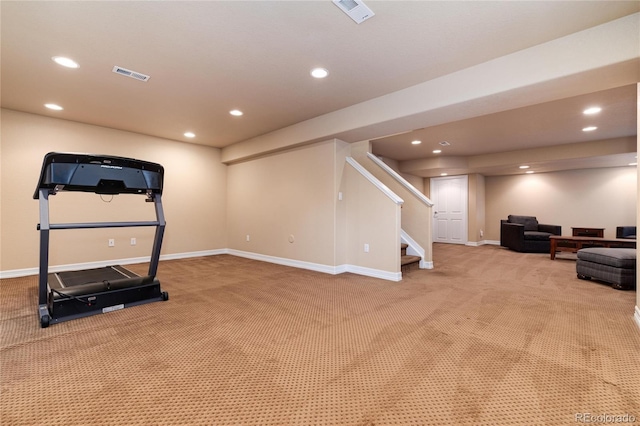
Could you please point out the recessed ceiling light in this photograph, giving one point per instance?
(235, 112)
(444, 174)
(190, 134)
(416, 142)
(54, 107)
(589, 129)
(437, 151)
(319, 73)
(65, 62)
(524, 167)
(592, 110)
(529, 172)
(633, 164)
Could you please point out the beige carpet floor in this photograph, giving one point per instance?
(487, 337)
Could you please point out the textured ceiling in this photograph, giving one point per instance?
(206, 58)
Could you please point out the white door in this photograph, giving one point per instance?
(449, 195)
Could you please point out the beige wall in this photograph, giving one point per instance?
(209, 206)
(295, 193)
(477, 209)
(342, 151)
(415, 214)
(603, 198)
(285, 194)
(373, 219)
(195, 182)
(416, 181)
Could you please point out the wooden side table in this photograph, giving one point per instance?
(588, 232)
(573, 244)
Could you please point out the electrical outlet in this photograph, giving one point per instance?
(366, 248)
(112, 242)
(248, 237)
(481, 233)
(133, 241)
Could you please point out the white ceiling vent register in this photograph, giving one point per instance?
(356, 9)
(132, 74)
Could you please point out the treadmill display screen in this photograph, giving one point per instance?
(100, 174)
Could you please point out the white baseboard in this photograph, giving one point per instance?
(284, 261)
(426, 264)
(193, 254)
(318, 267)
(375, 273)
(636, 317)
(327, 269)
(15, 273)
(482, 243)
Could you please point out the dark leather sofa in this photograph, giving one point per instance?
(525, 234)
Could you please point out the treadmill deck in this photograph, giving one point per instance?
(60, 280)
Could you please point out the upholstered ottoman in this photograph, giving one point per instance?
(616, 266)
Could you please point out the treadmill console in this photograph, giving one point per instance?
(100, 174)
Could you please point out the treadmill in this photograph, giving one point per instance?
(64, 296)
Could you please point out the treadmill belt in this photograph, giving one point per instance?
(74, 278)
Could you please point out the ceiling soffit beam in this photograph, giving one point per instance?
(571, 151)
(613, 47)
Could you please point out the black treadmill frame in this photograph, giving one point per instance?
(105, 301)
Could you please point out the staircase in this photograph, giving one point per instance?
(406, 261)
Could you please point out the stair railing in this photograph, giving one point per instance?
(416, 217)
(402, 181)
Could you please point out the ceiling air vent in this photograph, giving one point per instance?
(444, 143)
(356, 9)
(129, 73)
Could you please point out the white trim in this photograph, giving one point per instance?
(384, 166)
(190, 254)
(371, 178)
(327, 269)
(375, 273)
(426, 265)
(415, 249)
(482, 243)
(318, 267)
(15, 273)
(636, 316)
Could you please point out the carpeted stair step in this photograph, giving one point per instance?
(408, 260)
